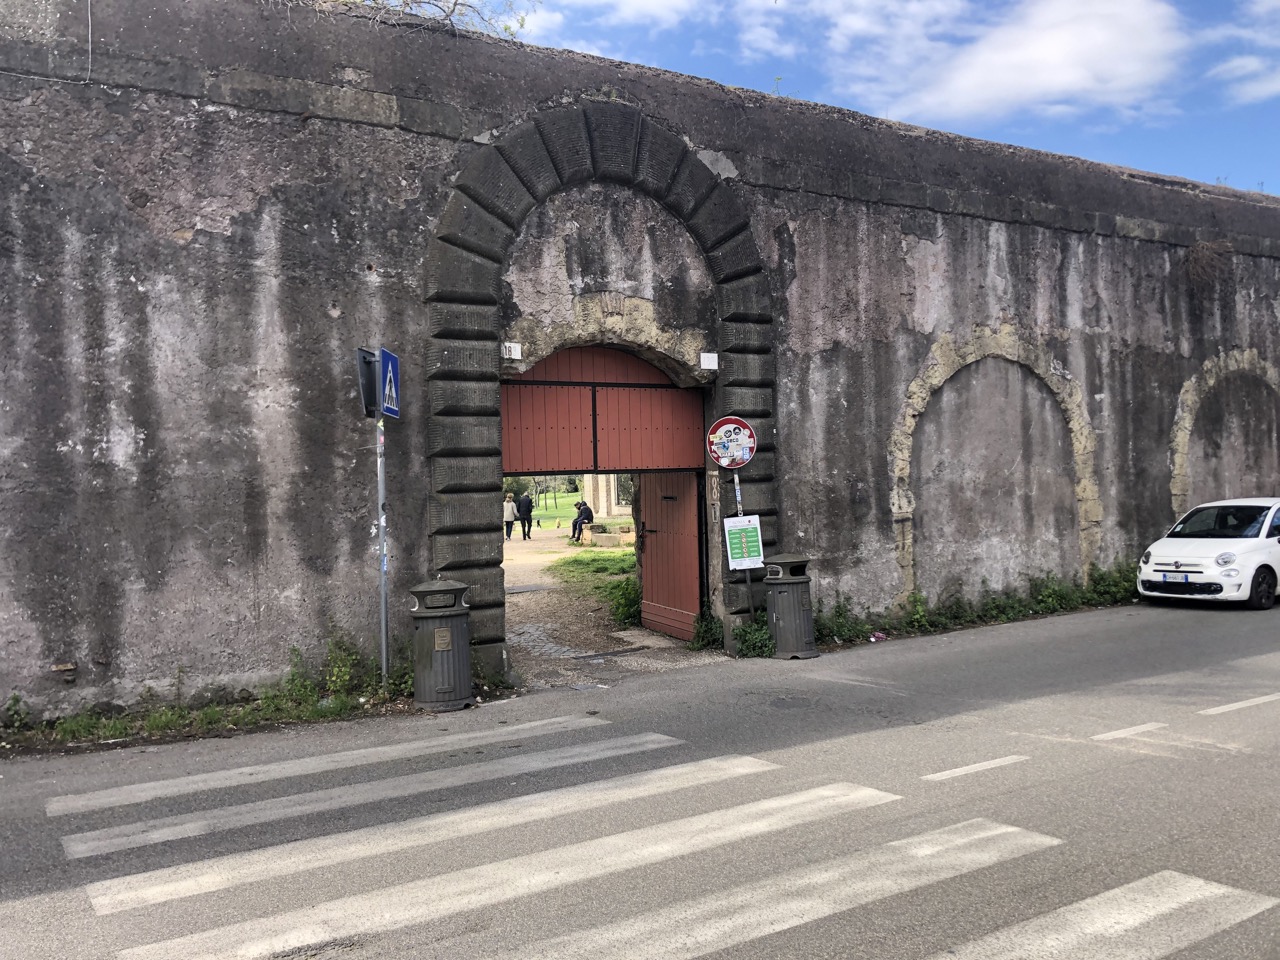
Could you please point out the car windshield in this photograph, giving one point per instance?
(1234, 521)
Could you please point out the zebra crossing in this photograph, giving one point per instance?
(1154, 917)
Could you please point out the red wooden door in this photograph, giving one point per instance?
(599, 410)
(669, 576)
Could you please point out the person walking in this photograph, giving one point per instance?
(584, 517)
(524, 510)
(509, 513)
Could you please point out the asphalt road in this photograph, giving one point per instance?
(1094, 787)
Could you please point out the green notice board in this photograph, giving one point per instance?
(742, 537)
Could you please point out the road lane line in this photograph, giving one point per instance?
(1128, 731)
(723, 920)
(974, 768)
(422, 901)
(1241, 705)
(1147, 920)
(263, 772)
(204, 822)
(220, 873)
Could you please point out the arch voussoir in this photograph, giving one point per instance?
(718, 218)
(526, 154)
(615, 139)
(564, 131)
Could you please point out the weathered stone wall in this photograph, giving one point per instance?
(989, 362)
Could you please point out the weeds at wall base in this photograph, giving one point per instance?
(1044, 596)
(348, 685)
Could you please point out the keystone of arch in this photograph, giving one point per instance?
(1191, 397)
(945, 360)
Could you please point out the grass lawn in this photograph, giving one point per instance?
(565, 512)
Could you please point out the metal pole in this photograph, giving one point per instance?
(382, 541)
(737, 495)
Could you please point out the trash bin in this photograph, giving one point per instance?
(790, 608)
(441, 645)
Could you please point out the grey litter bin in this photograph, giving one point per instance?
(790, 608)
(441, 645)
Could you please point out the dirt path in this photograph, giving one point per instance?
(557, 638)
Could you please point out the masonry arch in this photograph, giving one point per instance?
(1190, 400)
(948, 357)
(500, 184)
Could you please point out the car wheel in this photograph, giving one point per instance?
(1262, 596)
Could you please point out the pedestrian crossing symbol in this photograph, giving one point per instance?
(390, 383)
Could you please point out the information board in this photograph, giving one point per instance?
(742, 537)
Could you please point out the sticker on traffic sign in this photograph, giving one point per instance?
(731, 442)
(389, 384)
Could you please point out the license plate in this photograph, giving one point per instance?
(1176, 578)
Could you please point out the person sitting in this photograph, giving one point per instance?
(584, 517)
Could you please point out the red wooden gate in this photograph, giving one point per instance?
(670, 581)
(595, 409)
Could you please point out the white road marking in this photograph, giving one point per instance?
(974, 768)
(263, 772)
(1128, 731)
(220, 873)
(727, 919)
(337, 798)
(1152, 918)
(1241, 705)
(422, 901)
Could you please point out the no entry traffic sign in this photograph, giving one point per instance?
(731, 442)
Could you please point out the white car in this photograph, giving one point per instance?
(1227, 550)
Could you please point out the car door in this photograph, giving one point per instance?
(1273, 541)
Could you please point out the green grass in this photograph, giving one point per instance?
(608, 575)
(589, 566)
(565, 512)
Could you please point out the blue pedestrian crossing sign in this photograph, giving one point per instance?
(389, 384)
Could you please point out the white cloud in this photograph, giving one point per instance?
(1250, 77)
(1238, 68)
(946, 62)
(943, 60)
(542, 26)
(654, 14)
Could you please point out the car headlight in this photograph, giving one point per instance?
(1146, 558)
(1225, 559)
(1230, 574)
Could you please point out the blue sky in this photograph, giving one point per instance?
(1183, 87)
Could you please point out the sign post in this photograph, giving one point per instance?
(731, 443)
(389, 406)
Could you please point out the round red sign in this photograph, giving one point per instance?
(731, 442)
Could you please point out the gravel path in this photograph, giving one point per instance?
(558, 638)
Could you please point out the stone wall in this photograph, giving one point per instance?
(989, 362)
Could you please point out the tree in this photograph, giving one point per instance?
(518, 485)
(500, 17)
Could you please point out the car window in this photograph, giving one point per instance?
(1236, 521)
(1275, 526)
